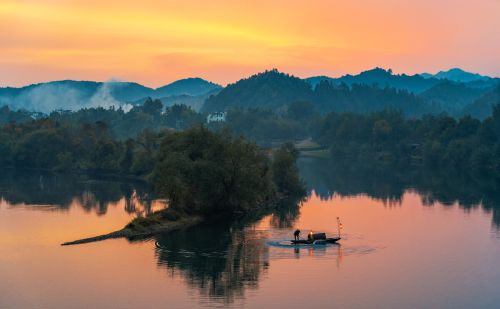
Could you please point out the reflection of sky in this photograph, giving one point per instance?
(403, 256)
(161, 41)
(326, 179)
(56, 192)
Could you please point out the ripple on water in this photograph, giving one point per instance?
(281, 247)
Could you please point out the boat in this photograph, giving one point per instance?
(316, 241)
(319, 238)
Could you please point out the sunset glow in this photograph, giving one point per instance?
(155, 42)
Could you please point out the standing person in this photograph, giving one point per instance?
(296, 234)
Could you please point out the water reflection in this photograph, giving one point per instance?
(60, 192)
(226, 260)
(286, 214)
(220, 259)
(223, 260)
(389, 184)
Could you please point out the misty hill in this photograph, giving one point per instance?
(415, 83)
(440, 93)
(381, 78)
(276, 91)
(362, 98)
(45, 97)
(193, 101)
(126, 91)
(188, 86)
(85, 87)
(483, 106)
(458, 75)
(74, 95)
(370, 90)
(452, 96)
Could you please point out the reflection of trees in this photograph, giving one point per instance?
(63, 191)
(219, 259)
(389, 183)
(327, 179)
(223, 258)
(286, 213)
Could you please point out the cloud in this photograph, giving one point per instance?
(49, 97)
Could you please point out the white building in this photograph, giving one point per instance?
(216, 117)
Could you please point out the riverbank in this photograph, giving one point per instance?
(309, 148)
(143, 227)
(80, 172)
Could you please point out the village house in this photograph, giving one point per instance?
(216, 117)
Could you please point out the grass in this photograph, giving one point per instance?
(307, 144)
(320, 153)
(156, 218)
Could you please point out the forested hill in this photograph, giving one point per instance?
(275, 91)
(482, 107)
(458, 75)
(269, 90)
(415, 83)
(382, 78)
(452, 96)
(370, 91)
(74, 95)
(188, 86)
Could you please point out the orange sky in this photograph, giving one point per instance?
(155, 42)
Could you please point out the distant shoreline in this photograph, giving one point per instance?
(106, 175)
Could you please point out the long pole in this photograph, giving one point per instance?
(338, 226)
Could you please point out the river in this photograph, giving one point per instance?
(408, 240)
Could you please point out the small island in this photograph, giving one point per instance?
(205, 174)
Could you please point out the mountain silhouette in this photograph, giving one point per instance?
(368, 91)
(483, 106)
(273, 90)
(452, 96)
(458, 75)
(269, 90)
(189, 86)
(381, 78)
(74, 95)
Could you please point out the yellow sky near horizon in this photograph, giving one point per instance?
(155, 42)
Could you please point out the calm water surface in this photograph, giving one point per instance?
(427, 243)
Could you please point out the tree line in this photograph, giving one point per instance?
(121, 124)
(111, 140)
(435, 141)
(199, 171)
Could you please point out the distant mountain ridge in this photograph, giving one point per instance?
(458, 75)
(73, 95)
(368, 91)
(270, 89)
(275, 91)
(452, 96)
(415, 83)
(482, 107)
(194, 101)
(193, 86)
(382, 78)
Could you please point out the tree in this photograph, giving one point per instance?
(201, 172)
(301, 110)
(152, 107)
(285, 172)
